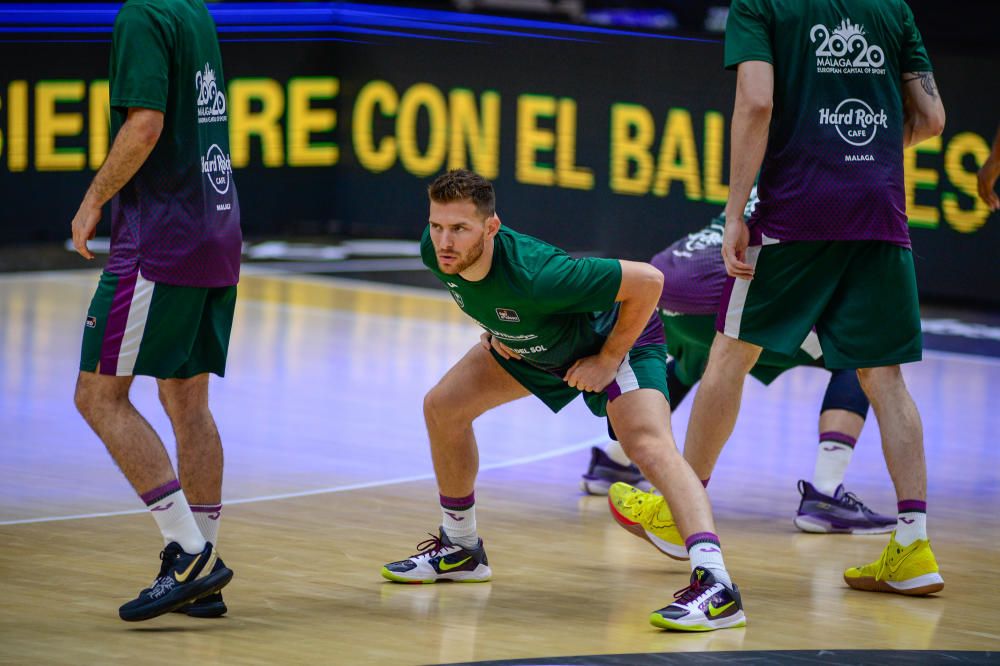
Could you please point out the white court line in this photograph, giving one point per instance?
(524, 460)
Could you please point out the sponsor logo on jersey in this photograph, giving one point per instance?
(700, 240)
(845, 50)
(855, 121)
(218, 168)
(91, 322)
(506, 314)
(521, 337)
(211, 100)
(458, 298)
(525, 351)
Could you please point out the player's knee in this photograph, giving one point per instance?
(878, 381)
(437, 407)
(184, 398)
(729, 356)
(645, 449)
(83, 399)
(93, 395)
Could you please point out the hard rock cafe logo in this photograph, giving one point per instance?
(218, 168)
(211, 100)
(855, 121)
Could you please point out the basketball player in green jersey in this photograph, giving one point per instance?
(828, 94)
(555, 327)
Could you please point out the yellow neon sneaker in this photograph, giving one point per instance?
(647, 516)
(911, 570)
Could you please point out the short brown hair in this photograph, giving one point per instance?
(464, 185)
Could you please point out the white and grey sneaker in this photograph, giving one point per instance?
(705, 605)
(439, 559)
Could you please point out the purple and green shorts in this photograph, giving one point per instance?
(138, 327)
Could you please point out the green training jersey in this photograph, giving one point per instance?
(548, 307)
(178, 219)
(833, 169)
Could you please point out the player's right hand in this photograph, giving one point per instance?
(735, 240)
(489, 342)
(84, 228)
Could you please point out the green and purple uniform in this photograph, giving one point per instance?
(829, 239)
(165, 301)
(552, 310)
(694, 277)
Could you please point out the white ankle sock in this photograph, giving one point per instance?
(208, 516)
(173, 516)
(705, 551)
(458, 518)
(910, 526)
(615, 451)
(832, 459)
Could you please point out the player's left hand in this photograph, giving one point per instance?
(592, 373)
(84, 227)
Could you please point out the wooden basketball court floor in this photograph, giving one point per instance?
(328, 475)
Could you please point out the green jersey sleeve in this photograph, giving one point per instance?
(565, 284)
(748, 33)
(913, 55)
(140, 50)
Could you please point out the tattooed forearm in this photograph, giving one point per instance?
(926, 82)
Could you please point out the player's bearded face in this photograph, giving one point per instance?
(458, 232)
(453, 260)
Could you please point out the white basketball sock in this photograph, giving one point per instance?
(208, 517)
(173, 516)
(911, 521)
(458, 519)
(832, 459)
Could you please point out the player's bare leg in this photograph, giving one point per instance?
(717, 402)
(474, 385)
(104, 403)
(907, 564)
(902, 431)
(199, 447)
(641, 418)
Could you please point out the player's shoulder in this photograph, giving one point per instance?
(524, 252)
(132, 7)
(148, 11)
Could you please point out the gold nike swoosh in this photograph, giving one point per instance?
(444, 566)
(180, 578)
(715, 612)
